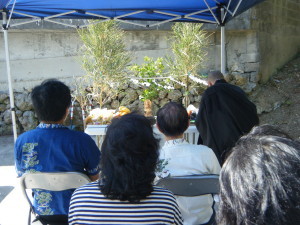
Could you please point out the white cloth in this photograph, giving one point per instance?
(179, 158)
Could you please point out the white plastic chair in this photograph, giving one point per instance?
(193, 185)
(59, 181)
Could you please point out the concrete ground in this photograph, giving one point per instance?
(13, 207)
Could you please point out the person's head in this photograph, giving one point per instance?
(213, 77)
(172, 119)
(51, 100)
(129, 158)
(260, 182)
(267, 129)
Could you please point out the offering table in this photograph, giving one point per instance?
(191, 134)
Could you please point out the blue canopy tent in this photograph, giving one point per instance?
(217, 12)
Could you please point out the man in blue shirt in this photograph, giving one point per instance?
(52, 147)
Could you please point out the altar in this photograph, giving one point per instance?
(99, 131)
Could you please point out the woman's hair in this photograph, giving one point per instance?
(267, 129)
(128, 160)
(260, 182)
(172, 119)
(51, 100)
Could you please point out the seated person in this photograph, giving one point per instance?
(179, 158)
(260, 180)
(125, 193)
(52, 147)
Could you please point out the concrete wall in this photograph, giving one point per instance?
(258, 42)
(278, 31)
(37, 55)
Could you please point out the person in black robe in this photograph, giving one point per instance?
(225, 114)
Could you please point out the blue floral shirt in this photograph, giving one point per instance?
(55, 148)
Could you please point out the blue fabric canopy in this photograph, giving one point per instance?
(204, 11)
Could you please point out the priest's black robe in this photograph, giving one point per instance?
(225, 114)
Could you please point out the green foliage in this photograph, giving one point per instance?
(149, 71)
(188, 44)
(104, 58)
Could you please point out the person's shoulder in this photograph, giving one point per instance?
(89, 187)
(160, 191)
(201, 150)
(79, 135)
(27, 134)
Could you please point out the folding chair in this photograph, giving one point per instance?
(59, 181)
(193, 185)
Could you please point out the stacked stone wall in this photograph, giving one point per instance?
(129, 97)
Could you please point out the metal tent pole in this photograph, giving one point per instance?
(11, 94)
(223, 51)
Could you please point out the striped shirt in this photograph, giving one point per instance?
(89, 206)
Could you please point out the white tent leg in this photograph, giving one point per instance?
(223, 50)
(11, 94)
(223, 53)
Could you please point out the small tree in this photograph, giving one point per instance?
(149, 75)
(104, 58)
(188, 44)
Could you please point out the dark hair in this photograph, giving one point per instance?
(50, 100)
(129, 158)
(172, 119)
(260, 182)
(267, 129)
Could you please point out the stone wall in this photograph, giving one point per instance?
(129, 96)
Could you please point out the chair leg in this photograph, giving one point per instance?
(29, 217)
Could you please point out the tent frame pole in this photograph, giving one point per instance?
(11, 94)
(223, 50)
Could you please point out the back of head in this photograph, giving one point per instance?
(267, 129)
(51, 100)
(214, 76)
(260, 182)
(172, 119)
(128, 160)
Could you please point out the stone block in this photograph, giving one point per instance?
(254, 77)
(251, 42)
(248, 88)
(7, 117)
(194, 91)
(23, 101)
(137, 106)
(3, 97)
(237, 67)
(174, 95)
(241, 78)
(2, 107)
(249, 57)
(28, 121)
(115, 104)
(252, 67)
(163, 102)
(162, 94)
(198, 98)
(130, 96)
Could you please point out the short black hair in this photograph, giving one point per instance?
(129, 158)
(260, 182)
(172, 119)
(50, 100)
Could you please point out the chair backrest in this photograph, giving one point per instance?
(52, 181)
(193, 185)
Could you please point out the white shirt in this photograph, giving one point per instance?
(179, 158)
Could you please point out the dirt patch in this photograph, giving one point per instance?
(278, 101)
